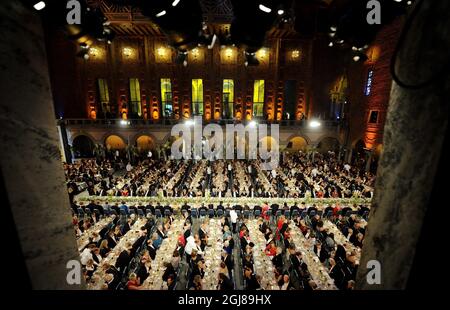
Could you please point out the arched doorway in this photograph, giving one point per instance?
(83, 147)
(114, 142)
(297, 144)
(328, 144)
(144, 144)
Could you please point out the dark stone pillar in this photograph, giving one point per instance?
(30, 158)
(413, 136)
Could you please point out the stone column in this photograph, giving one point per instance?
(30, 157)
(415, 128)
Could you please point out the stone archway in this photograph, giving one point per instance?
(145, 143)
(115, 142)
(297, 143)
(328, 144)
(83, 147)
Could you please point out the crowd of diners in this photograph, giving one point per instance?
(298, 175)
(133, 260)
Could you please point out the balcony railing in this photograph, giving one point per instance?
(171, 122)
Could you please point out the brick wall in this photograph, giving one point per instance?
(359, 108)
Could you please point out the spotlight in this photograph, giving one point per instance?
(175, 2)
(123, 122)
(162, 13)
(314, 124)
(333, 28)
(360, 57)
(354, 48)
(39, 5)
(265, 8)
(341, 41)
(280, 12)
(331, 44)
(252, 124)
(189, 123)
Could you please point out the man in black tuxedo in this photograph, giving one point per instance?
(151, 249)
(228, 260)
(250, 280)
(124, 258)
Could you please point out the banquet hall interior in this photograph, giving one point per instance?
(351, 104)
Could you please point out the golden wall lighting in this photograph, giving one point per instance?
(228, 52)
(262, 53)
(127, 52)
(94, 52)
(162, 52)
(295, 54)
(195, 52)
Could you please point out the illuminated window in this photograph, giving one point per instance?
(373, 117)
(368, 87)
(258, 98)
(197, 96)
(228, 98)
(103, 94)
(166, 97)
(135, 98)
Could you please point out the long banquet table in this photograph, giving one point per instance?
(163, 254)
(318, 272)
(98, 279)
(262, 263)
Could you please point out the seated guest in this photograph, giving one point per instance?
(285, 283)
(225, 283)
(296, 261)
(144, 270)
(160, 232)
(247, 262)
(228, 260)
(168, 271)
(117, 232)
(271, 249)
(277, 260)
(197, 283)
(320, 252)
(359, 240)
(190, 247)
(133, 283)
(203, 235)
(96, 256)
(156, 240)
(226, 232)
(127, 226)
(90, 268)
(198, 269)
(104, 248)
(152, 247)
(111, 282)
(124, 258)
(175, 261)
(250, 280)
(86, 255)
(171, 282)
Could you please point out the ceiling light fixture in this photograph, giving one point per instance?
(265, 8)
(39, 5)
(162, 13)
